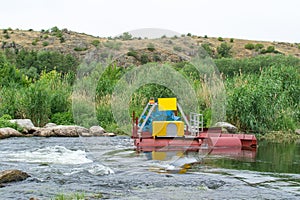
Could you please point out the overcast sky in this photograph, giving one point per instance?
(272, 20)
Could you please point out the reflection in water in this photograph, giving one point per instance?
(270, 157)
(178, 161)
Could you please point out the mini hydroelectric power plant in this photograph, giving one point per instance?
(161, 128)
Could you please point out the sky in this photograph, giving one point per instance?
(269, 20)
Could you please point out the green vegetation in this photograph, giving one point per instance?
(112, 45)
(224, 50)
(262, 92)
(150, 47)
(249, 46)
(4, 122)
(95, 43)
(45, 43)
(220, 39)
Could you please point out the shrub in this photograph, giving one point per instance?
(231, 40)
(6, 36)
(132, 53)
(62, 39)
(30, 29)
(189, 34)
(80, 48)
(150, 47)
(220, 39)
(95, 43)
(205, 36)
(258, 47)
(112, 45)
(64, 118)
(207, 48)
(45, 43)
(4, 123)
(144, 59)
(46, 36)
(164, 36)
(249, 46)
(177, 48)
(5, 31)
(224, 50)
(270, 49)
(34, 43)
(126, 36)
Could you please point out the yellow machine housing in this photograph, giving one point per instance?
(167, 129)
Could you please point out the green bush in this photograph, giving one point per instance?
(144, 59)
(249, 46)
(150, 47)
(177, 48)
(64, 118)
(80, 48)
(45, 43)
(6, 36)
(126, 36)
(224, 50)
(231, 40)
(132, 53)
(265, 102)
(4, 123)
(258, 47)
(207, 48)
(112, 45)
(95, 43)
(220, 39)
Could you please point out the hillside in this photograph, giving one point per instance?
(137, 50)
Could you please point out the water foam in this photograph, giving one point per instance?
(50, 155)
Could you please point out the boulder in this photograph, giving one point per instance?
(61, 131)
(297, 131)
(229, 127)
(26, 124)
(97, 131)
(48, 125)
(9, 132)
(8, 176)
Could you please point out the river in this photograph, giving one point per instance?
(110, 166)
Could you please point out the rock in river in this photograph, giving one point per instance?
(9, 132)
(26, 124)
(8, 176)
(97, 131)
(61, 131)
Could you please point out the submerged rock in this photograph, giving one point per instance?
(9, 132)
(229, 127)
(8, 176)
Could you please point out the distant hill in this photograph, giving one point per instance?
(133, 50)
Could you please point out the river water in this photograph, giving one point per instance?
(110, 166)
